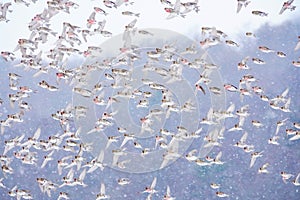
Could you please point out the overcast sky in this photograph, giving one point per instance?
(186, 179)
(219, 13)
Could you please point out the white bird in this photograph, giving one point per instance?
(79, 180)
(217, 160)
(242, 142)
(191, 155)
(254, 156)
(124, 181)
(274, 140)
(285, 176)
(91, 20)
(151, 189)
(127, 137)
(242, 3)
(1, 184)
(296, 181)
(287, 6)
(97, 163)
(263, 169)
(3, 10)
(298, 44)
(47, 158)
(215, 185)
(110, 140)
(175, 11)
(102, 194)
(279, 124)
(221, 194)
(296, 136)
(168, 196)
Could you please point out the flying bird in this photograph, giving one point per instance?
(242, 3)
(287, 6)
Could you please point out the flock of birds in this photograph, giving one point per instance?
(28, 55)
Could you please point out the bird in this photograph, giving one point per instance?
(3, 10)
(287, 5)
(102, 194)
(242, 3)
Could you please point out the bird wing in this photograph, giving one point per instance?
(239, 7)
(177, 6)
(168, 191)
(285, 92)
(92, 16)
(244, 138)
(218, 157)
(82, 175)
(101, 25)
(102, 189)
(282, 10)
(132, 24)
(37, 134)
(253, 159)
(126, 139)
(297, 46)
(101, 156)
(153, 183)
(231, 108)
